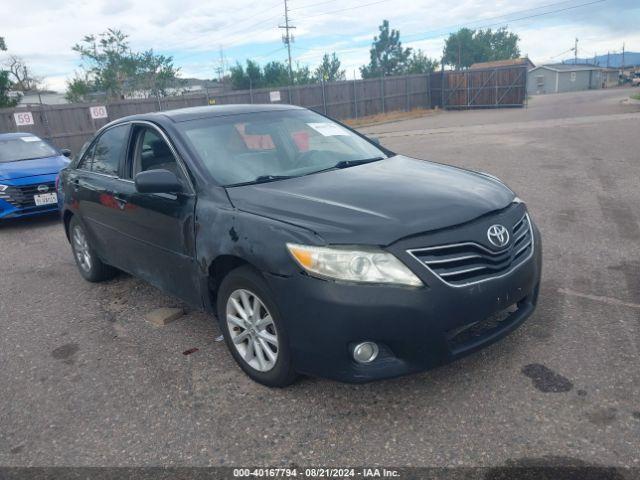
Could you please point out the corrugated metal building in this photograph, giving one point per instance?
(565, 77)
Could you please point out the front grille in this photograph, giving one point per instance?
(466, 263)
(22, 197)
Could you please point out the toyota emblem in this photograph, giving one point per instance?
(498, 235)
(43, 188)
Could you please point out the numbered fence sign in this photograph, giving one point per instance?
(274, 96)
(99, 111)
(23, 118)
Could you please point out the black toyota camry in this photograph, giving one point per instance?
(319, 251)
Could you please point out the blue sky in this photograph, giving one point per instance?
(193, 31)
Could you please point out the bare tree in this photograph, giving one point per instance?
(21, 75)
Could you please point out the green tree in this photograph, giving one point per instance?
(243, 79)
(238, 77)
(302, 75)
(155, 74)
(500, 44)
(254, 74)
(276, 74)
(387, 56)
(78, 90)
(330, 69)
(110, 67)
(6, 101)
(466, 47)
(421, 63)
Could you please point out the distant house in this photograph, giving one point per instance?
(45, 97)
(610, 77)
(512, 62)
(569, 77)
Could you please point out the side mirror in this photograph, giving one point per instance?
(375, 140)
(66, 152)
(157, 181)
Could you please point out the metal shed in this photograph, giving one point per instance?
(564, 77)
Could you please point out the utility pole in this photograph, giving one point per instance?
(287, 38)
(623, 56)
(221, 69)
(607, 59)
(575, 53)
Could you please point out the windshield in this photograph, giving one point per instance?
(24, 148)
(268, 146)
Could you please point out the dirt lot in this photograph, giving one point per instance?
(85, 380)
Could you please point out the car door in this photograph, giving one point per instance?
(93, 185)
(159, 227)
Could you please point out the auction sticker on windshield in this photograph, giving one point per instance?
(329, 129)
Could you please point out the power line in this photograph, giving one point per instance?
(346, 9)
(506, 15)
(312, 5)
(440, 32)
(561, 53)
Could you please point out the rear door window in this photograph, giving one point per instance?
(109, 150)
(86, 158)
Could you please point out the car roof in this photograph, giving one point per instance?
(10, 136)
(196, 113)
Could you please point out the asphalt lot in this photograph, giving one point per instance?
(85, 380)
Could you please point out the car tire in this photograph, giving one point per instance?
(90, 266)
(253, 328)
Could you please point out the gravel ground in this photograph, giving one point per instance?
(87, 381)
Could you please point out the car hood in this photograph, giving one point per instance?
(30, 168)
(376, 203)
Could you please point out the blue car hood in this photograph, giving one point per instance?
(31, 168)
(377, 203)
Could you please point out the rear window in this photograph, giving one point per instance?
(24, 148)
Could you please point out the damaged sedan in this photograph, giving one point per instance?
(319, 251)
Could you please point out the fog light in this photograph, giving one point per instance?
(365, 352)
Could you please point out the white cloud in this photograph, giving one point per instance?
(193, 30)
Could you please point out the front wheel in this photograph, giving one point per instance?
(90, 266)
(253, 329)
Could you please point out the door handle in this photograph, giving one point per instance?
(121, 202)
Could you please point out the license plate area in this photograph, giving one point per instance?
(45, 199)
(477, 330)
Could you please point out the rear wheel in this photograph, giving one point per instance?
(90, 266)
(253, 329)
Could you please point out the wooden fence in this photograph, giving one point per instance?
(69, 126)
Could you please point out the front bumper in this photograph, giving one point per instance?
(17, 201)
(415, 328)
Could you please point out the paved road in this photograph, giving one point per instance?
(85, 380)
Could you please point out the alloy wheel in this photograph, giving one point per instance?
(81, 249)
(252, 330)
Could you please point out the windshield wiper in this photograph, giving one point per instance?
(351, 163)
(261, 179)
(347, 163)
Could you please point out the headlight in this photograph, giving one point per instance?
(353, 264)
